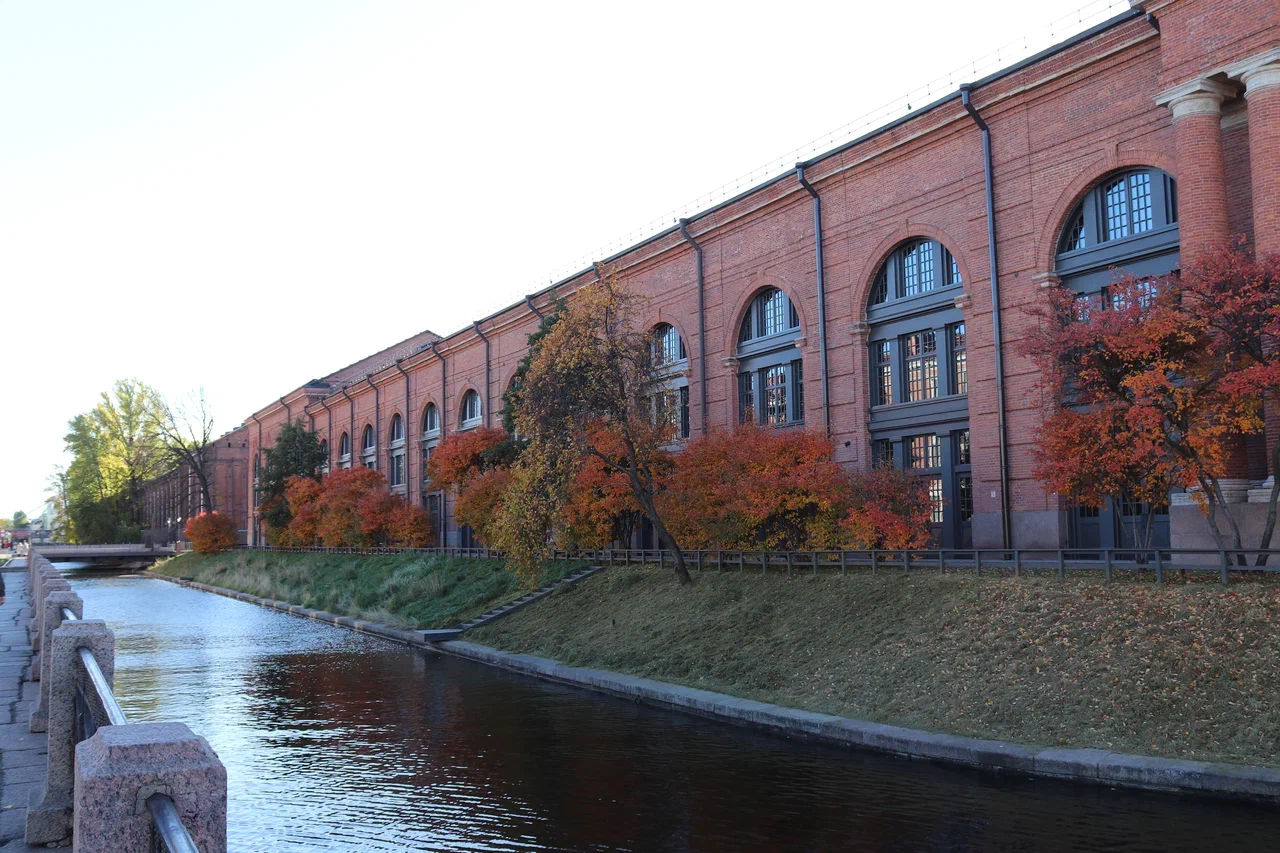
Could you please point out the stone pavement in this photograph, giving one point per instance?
(23, 755)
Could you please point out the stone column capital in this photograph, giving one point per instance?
(1196, 97)
(1260, 79)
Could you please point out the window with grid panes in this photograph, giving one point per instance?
(884, 372)
(959, 361)
(962, 456)
(935, 498)
(923, 451)
(921, 353)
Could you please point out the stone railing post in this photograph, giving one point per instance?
(49, 584)
(50, 620)
(120, 767)
(49, 814)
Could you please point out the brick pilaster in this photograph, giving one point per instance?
(1262, 92)
(1202, 183)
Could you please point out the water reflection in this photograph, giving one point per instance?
(337, 741)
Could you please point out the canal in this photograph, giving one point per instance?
(342, 742)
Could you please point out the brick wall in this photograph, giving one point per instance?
(1058, 126)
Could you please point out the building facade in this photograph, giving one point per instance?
(170, 500)
(879, 292)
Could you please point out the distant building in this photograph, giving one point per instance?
(170, 500)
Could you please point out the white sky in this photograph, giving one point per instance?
(188, 189)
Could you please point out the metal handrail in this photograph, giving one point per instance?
(164, 813)
(169, 825)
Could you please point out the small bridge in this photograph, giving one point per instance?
(113, 555)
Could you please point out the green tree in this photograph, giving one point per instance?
(20, 521)
(115, 450)
(296, 453)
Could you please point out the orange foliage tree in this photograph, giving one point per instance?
(211, 533)
(1156, 384)
(476, 464)
(760, 488)
(352, 508)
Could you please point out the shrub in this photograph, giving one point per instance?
(352, 508)
(211, 533)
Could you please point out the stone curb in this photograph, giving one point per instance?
(1097, 766)
(409, 638)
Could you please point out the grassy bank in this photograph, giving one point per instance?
(1187, 671)
(404, 590)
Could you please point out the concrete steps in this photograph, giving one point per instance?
(512, 606)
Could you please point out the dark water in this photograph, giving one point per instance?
(342, 742)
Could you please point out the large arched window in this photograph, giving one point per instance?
(431, 497)
(369, 447)
(1126, 224)
(472, 413)
(396, 474)
(670, 358)
(770, 368)
(1128, 221)
(919, 368)
(344, 451)
(916, 269)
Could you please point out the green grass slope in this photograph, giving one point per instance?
(404, 590)
(1185, 670)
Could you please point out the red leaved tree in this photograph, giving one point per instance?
(783, 490)
(211, 533)
(352, 508)
(476, 464)
(1157, 381)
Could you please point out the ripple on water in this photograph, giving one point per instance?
(344, 742)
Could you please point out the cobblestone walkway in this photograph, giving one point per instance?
(23, 755)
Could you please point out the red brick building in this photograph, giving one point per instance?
(169, 501)
(1135, 144)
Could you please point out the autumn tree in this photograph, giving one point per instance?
(351, 508)
(1158, 381)
(296, 453)
(476, 465)
(767, 489)
(591, 374)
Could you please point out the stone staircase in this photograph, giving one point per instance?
(441, 634)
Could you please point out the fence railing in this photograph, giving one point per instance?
(111, 784)
(1106, 562)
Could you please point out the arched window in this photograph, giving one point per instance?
(667, 347)
(369, 447)
(671, 403)
(1128, 220)
(396, 474)
(770, 367)
(431, 497)
(471, 413)
(770, 313)
(431, 420)
(1126, 224)
(916, 268)
(919, 369)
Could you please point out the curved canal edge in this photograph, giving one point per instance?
(1096, 766)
